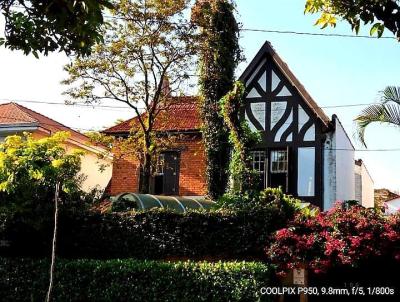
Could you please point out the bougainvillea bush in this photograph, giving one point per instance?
(343, 236)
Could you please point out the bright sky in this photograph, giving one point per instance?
(335, 71)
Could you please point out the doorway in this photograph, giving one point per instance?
(166, 177)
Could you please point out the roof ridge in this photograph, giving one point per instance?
(20, 107)
(17, 106)
(25, 109)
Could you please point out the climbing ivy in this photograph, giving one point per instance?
(244, 178)
(219, 55)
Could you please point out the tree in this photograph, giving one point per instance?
(31, 170)
(45, 26)
(380, 13)
(242, 140)
(219, 56)
(386, 111)
(147, 44)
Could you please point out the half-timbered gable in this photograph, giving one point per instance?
(291, 126)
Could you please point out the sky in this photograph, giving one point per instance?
(335, 71)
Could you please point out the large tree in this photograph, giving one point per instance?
(380, 14)
(49, 25)
(219, 56)
(147, 44)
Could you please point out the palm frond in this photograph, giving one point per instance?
(386, 111)
(390, 94)
(371, 114)
(381, 113)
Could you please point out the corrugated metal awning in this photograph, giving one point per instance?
(178, 204)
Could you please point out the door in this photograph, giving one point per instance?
(171, 173)
(166, 177)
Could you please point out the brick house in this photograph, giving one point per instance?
(302, 150)
(184, 166)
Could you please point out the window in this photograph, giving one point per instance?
(279, 161)
(160, 165)
(258, 164)
(306, 171)
(258, 161)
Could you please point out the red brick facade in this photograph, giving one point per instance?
(191, 174)
(181, 116)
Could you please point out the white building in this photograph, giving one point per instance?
(364, 185)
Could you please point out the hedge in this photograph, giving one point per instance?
(133, 280)
(156, 234)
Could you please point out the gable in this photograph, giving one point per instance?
(277, 104)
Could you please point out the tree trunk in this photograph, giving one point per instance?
(53, 250)
(145, 176)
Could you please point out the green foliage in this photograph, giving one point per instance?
(237, 233)
(242, 139)
(146, 44)
(253, 201)
(386, 111)
(130, 280)
(30, 169)
(380, 13)
(45, 26)
(219, 54)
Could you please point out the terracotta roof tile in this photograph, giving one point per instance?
(182, 115)
(12, 114)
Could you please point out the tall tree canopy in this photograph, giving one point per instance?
(147, 44)
(380, 14)
(49, 25)
(219, 55)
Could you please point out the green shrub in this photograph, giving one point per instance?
(132, 280)
(156, 234)
(30, 168)
(261, 200)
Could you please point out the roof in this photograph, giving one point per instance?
(14, 115)
(179, 204)
(393, 199)
(268, 49)
(181, 115)
(384, 195)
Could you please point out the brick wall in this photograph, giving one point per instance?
(191, 175)
(192, 168)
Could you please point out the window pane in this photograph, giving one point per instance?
(279, 161)
(306, 172)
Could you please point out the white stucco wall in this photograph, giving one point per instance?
(338, 166)
(364, 185)
(97, 171)
(329, 171)
(344, 164)
(90, 166)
